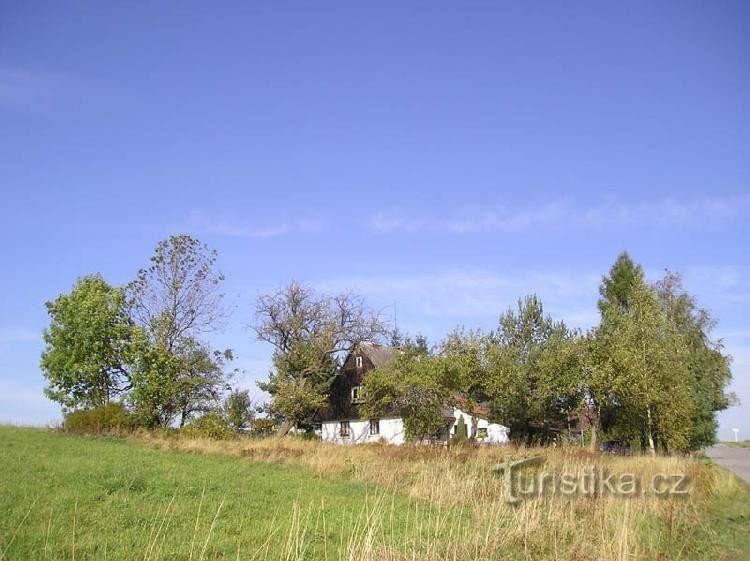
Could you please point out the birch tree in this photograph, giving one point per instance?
(650, 361)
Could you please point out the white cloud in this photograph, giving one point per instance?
(724, 285)
(434, 303)
(240, 229)
(560, 214)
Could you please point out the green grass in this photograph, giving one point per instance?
(740, 444)
(65, 497)
(73, 497)
(729, 521)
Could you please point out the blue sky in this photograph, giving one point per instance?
(443, 157)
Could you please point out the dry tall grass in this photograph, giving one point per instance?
(461, 509)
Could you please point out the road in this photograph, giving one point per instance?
(735, 459)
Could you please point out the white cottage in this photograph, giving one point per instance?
(341, 423)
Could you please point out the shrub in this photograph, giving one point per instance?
(210, 425)
(462, 431)
(113, 417)
(263, 426)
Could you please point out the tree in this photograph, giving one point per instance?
(405, 342)
(531, 372)
(173, 386)
(296, 402)
(415, 387)
(310, 334)
(615, 289)
(88, 345)
(239, 409)
(652, 371)
(708, 368)
(202, 379)
(173, 301)
(601, 406)
(178, 295)
(599, 403)
(468, 351)
(649, 357)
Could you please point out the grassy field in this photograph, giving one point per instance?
(740, 444)
(73, 497)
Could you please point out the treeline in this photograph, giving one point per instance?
(649, 372)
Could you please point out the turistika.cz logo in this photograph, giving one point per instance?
(590, 481)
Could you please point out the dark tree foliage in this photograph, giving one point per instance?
(532, 372)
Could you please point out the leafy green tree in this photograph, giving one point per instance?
(599, 402)
(203, 378)
(601, 405)
(176, 385)
(652, 371)
(239, 409)
(155, 387)
(708, 368)
(532, 372)
(468, 350)
(415, 387)
(88, 345)
(649, 358)
(616, 288)
(296, 402)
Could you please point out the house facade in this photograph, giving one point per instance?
(340, 421)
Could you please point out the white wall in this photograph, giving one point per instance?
(496, 434)
(391, 432)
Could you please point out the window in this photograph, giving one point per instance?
(482, 433)
(359, 362)
(357, 394)
(374, 426)
(345, 430)
(317, 428)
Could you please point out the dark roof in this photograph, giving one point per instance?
(378, 354)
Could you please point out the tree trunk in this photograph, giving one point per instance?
(594, 437)
(595, 420)
(651, 447)
(285, 428)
